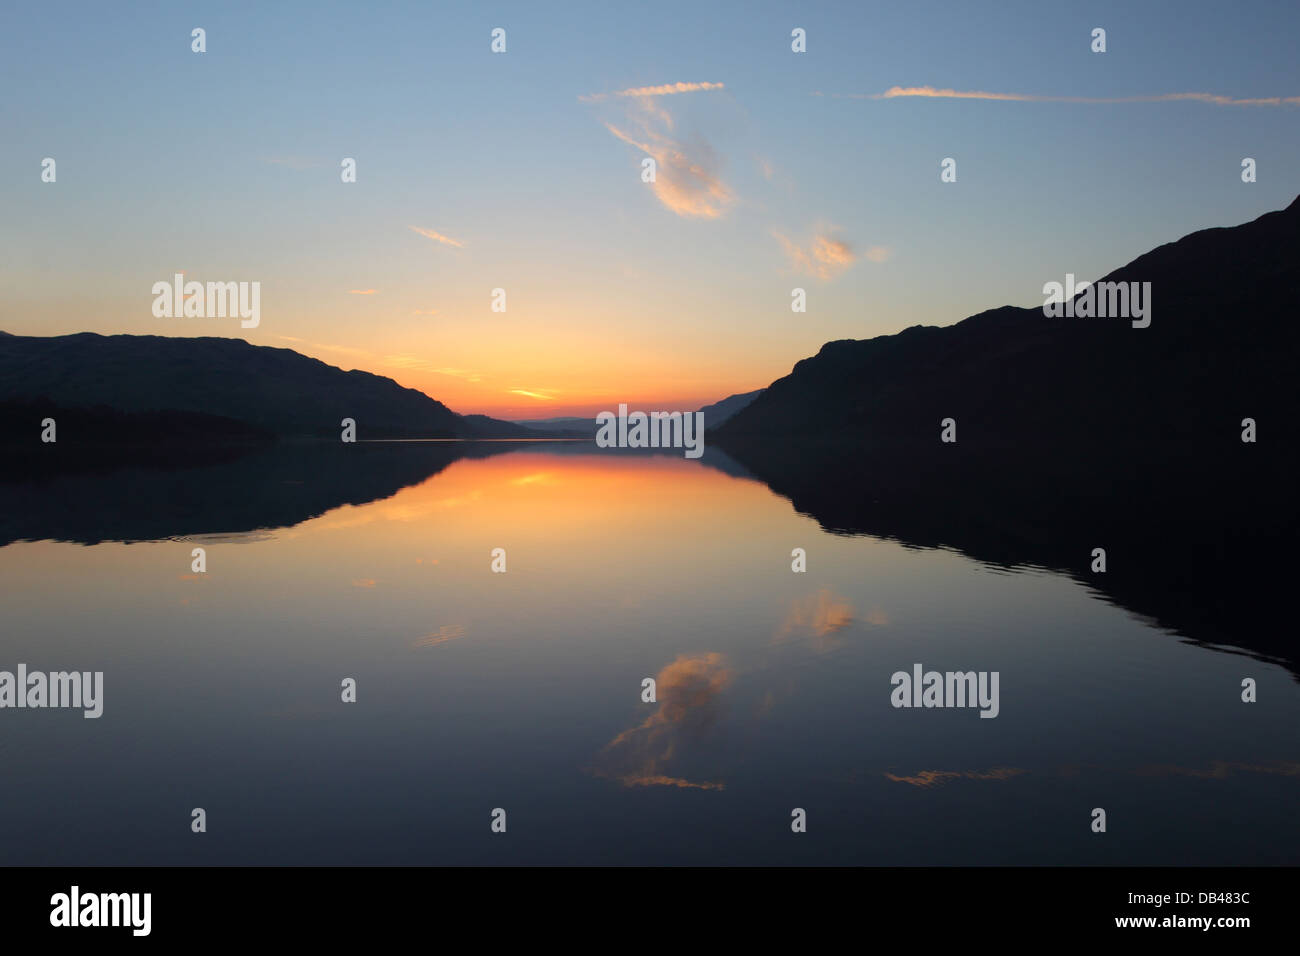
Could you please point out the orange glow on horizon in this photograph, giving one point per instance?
(508, 395)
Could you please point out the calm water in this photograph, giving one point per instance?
(478, 690)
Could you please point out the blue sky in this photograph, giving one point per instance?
(226, 165)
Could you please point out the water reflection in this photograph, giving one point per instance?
(523, 690)
(689, 694)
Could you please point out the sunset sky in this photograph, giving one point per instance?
(521, 171)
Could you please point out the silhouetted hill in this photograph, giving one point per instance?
(719, 412)
(272, 389)
(1221, 346)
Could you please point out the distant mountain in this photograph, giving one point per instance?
(714, 415)
(719, 412)
(271, 390)
(1221, 346)
(481, 426)
(567, 425)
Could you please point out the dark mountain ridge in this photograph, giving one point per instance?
(1221, 346)
(273, 390)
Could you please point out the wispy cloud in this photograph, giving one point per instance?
(544, 394)
(341, 349)
(685, 177)
(417, 363)
(466, 373)
(410, 361)
(832, 252)
(363, 291)
(438, 237)
(931, 92)
(824, 256)
(686, 172)
(664, 89)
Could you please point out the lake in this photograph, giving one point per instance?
(478, 690)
